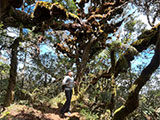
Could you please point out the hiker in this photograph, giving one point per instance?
(68, 83)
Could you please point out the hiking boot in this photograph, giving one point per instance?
(62, 115)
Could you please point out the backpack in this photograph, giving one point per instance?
(63, 87)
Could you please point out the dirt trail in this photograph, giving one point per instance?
(22, 112)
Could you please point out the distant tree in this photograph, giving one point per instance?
(150, 8)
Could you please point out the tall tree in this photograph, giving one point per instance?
(13, 73)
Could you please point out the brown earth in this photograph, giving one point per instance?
(22, 112)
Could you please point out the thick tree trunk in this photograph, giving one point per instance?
(81, 67)
(13, 74)
(113, 83)
(23, 71)
(133, 101)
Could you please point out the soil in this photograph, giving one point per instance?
(22, 112)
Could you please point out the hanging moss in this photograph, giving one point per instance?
(146, 37)
(45, 10)
(59, 6)
(44, 4)
(72, 16)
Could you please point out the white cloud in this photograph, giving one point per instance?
(143, 18)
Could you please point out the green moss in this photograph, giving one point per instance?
(119, 109)
(108, 111)
(92, 75)
(132, 89)
(138, 42)
(48, 5)
(145, 36)
(59, 6)
(1, 24)
(148, 33)
(115, 91)
(44, 4)
(71, 15)
(4, 115)
(56, 8)
(106, 115)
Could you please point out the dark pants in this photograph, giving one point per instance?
(66, 106)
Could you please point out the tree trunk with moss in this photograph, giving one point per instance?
(81, 66)
(111, 105)
(133, 100)
(13, 74)
(149, 37)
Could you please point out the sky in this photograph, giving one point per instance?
(45, 48)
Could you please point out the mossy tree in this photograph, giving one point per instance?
(88, 33)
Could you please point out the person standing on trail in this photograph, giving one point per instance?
(68, 83)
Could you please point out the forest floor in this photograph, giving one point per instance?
(22, 112)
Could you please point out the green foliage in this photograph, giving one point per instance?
(4, 68)
(68, 4)
(38, 94)
(3, 89)
(133, 28)
(134, 25)
(103, 54)
(59, 99)
(4, 115)
(116, 45)
(1, 25)
(4, 71)
(106, 115)
(71, 6)
(88, 114)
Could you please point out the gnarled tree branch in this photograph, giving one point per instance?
(132, 101)
(144, 41)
